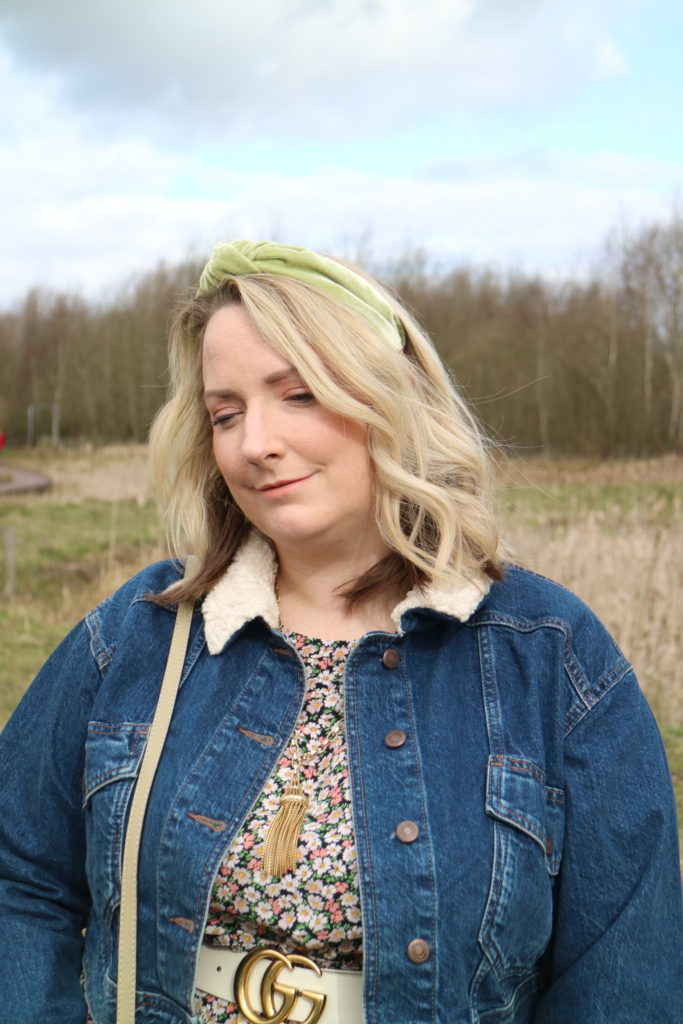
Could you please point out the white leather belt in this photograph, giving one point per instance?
(270, 987)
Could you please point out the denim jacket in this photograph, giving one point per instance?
(544, 881)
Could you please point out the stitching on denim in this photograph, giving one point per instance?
(125, 769)
(195, 647)
(595, 693)
(507, 812)
(419, 761)
(489, 692)
(527, 986)
(510, 813)
(490, 618)
(372, 1002)
(538, 576)
(102, 653)
(518, 764)
(486, 940)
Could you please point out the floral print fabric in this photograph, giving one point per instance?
(315, 909)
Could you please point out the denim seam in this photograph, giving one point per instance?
(594, 694)
(516, 817)
(489, 692)
(518, 764)
(486, 940)
(489, 618)
(425, 819)
(102, 652)
(121, 771)
(367, 896)
(529, 982)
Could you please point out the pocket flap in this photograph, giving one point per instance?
(516, 793)
(112, 752)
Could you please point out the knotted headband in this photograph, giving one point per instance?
(336, 280)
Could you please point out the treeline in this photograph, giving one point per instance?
(590, 366)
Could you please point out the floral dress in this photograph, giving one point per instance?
(314, 909)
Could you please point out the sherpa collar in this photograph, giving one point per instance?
(247, 590)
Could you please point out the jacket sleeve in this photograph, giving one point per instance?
(617, 952)
(44, 898)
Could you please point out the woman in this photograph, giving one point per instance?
(399, 775)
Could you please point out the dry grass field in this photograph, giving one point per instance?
(612, 532)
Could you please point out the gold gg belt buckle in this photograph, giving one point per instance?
(271, 985)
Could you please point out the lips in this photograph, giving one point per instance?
(280, 485)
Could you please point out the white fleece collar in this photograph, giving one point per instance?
(247, 590)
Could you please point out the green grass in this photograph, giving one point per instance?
(558, 504)
(63, 545)
(673, 741)
(65, 556)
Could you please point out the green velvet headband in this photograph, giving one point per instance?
(336, 280)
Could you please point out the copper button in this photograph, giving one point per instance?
(407, 831)
(418, 951)
(395, 738)
(549, 845)
(391, 658)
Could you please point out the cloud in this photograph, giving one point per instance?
(140, 131)
(305, 68)
(534, 221)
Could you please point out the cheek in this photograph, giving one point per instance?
(224, 459)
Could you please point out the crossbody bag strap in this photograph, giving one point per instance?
(128, 911)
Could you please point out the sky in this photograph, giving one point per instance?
(508, 133)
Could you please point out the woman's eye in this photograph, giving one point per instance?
(300, 396)
(223, 419)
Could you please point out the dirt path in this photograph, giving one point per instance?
(22, 480)
(113, 473)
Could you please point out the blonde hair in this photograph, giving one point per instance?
(431, 461)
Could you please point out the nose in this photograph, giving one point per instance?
(261, 438)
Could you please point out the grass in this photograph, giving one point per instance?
(673, 740)
(67, 557)
(66, 545)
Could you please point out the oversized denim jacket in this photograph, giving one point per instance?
(544, 878)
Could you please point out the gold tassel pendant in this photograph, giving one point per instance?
(282, 839)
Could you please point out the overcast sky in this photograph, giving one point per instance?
(509, 132)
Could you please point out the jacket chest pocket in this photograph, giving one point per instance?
(113, 754)
(518, 919)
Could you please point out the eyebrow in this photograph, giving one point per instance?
(272, 378)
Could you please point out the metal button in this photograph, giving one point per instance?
(391, 658)
(407, 831)
(549, 846)
(418, 951)
(395, 738)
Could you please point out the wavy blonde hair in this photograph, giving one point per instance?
(432, 469)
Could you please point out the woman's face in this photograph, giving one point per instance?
(299, 472)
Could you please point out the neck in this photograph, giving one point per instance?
(310, 603)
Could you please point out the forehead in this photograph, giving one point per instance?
(230, 327)
(233, 345)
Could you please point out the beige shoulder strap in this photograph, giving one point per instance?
(127, 960)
